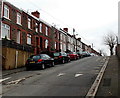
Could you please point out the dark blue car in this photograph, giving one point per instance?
(39, 61)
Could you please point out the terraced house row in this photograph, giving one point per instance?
(23, 34)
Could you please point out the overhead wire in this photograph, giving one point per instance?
(54, 18)
(58, 20)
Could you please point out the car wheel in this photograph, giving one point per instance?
(43, 66)
(63, 61)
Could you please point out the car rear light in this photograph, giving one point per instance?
(40, 60)
(60, 56)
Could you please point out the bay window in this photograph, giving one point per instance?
(5, 31)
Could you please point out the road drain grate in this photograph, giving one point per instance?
(107, 82)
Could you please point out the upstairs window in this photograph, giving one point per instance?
(36, 28)
(18, 36)
(40, 27)
(6, 11)
(61, 36)
(58, 35)
(5, 31)
(46, 31)
(29, 39)
(29, 23)
(18, 18)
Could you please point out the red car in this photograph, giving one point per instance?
(73, 55)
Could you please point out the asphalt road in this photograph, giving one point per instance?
(70, 79)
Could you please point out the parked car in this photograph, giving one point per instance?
(73, 55)
(85, 54)
(92, 54)
(61, 57)
(80, 54)
(39, 61)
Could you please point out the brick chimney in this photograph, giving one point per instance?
(65, 29)
(79, 39)
(36, 14)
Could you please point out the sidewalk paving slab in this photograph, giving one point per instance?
(8, 72)
(109, 85)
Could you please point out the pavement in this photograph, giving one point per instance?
(109, 85)
(12, 71)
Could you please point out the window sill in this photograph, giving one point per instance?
(19, 24)
(29, 44)
(6, 18)
(30, 29)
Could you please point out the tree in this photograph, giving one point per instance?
(110, 40)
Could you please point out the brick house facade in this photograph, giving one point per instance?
(23, 34)
(23, 30)
(15, 51)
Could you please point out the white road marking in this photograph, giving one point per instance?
(77, 75)
(16, 81)
(1, 80)
(61, 74)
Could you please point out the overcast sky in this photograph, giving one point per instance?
(92, 19)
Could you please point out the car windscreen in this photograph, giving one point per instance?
(84, 52)
(43, 56)
(56, 54)
(35, 58)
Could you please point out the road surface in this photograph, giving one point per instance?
(71, 79)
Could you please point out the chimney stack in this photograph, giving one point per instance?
(36, 14)
(65, 29)
(79, 39)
